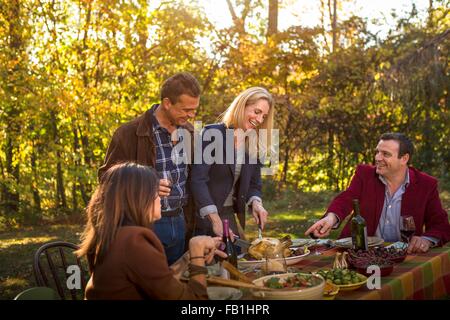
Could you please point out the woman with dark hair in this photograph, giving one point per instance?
(125, 257)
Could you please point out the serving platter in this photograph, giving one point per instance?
(312, 293)
(352, 286)
(347, 242)
(258, 263)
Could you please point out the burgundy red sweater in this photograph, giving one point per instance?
(420, 200)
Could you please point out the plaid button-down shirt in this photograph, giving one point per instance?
(164, 164)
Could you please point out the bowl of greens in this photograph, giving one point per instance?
(290, 286)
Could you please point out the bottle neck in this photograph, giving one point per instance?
(226, 224)
(356, 208)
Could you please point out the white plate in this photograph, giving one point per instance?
(347, 242)
(302, 242)
(223, 293)
(309, 242)
(257, 263)
(398, 245)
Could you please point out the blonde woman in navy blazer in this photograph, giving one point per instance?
(220, 188)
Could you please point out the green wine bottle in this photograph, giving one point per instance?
(359, 229)
(229, 246)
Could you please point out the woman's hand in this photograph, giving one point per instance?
(206, 246)
(259, 213)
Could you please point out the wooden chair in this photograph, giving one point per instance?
(53, 274)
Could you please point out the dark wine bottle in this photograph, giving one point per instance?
(359, 228)
(406, 235)
(230, 250)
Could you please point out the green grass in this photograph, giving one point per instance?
(17, 248)
(290, 214)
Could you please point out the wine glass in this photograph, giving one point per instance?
(407, 228)
(275, 263)
(166, 178)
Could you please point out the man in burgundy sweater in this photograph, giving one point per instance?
(386, 191)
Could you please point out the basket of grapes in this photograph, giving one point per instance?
(380, 257)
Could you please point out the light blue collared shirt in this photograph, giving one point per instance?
(389, 225)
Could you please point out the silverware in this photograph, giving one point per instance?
(243, 244)
(235, 283)
(235, 272)
(259, 231)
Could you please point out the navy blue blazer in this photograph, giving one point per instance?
(211, 183)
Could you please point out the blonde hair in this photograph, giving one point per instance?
(233, 117)
(126, 194)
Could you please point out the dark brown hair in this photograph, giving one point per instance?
(405, 144)
(178, 84)
(126, 193)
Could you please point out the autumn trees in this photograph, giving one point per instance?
(72, 71)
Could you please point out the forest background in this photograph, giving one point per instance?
(73, 71)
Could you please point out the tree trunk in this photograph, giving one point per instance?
(36, 195)
(61, 192)
(239, 22)
(334, 25)
(11, 197)
(430, 14)
(273, 18)
(322, 22)
(330, 159)
(80, 185)
(76, 147)
(60, 189)
(84, 48)
(286, 164)
(87, 154)
(287, 149)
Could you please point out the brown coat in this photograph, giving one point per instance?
(134, 141)
(136, 268)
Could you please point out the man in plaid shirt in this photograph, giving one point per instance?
(148, 140)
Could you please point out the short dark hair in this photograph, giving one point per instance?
(178, 84)
(405, 144)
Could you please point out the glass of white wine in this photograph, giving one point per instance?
(166, 178)
(275, 263)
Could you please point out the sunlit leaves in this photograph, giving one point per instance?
(72, 71)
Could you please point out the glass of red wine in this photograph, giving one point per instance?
(407, 228)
